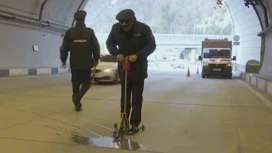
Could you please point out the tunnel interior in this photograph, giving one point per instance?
(181, 112)
(45, 22)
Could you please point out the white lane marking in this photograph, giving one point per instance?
(100, 125)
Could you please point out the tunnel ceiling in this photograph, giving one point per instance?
(61, 11)
(247, 14)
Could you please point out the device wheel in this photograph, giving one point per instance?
(143, 127)
(115, 126)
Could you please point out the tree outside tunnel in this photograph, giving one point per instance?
(189, 54)
(165, 17)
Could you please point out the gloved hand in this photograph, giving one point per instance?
(132, 58)
(120, 58)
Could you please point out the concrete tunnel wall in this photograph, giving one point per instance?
(246, 25)
(16, 50)
(17, 41)
(17, 38)
(267, 33)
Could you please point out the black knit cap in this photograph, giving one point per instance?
(126, 14)
(80, 15)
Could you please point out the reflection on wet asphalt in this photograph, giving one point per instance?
(107, 142)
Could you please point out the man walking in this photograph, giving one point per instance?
(84, 54)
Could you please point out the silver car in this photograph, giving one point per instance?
(106, 71)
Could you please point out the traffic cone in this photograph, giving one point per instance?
(188, 72)
(197, 72)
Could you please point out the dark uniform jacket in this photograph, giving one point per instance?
(139, 40)
(83, 46)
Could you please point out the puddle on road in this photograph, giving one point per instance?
(107, 142)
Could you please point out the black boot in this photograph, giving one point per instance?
(84, 88)
(76, 86)
(134, 129)
(77, 98)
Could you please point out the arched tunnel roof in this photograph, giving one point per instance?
(61, 11)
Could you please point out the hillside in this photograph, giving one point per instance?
(168, 16)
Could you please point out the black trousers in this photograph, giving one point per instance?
(134, 100)
(80, 83)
